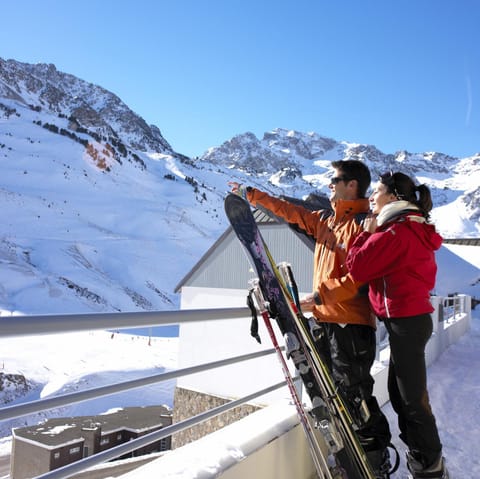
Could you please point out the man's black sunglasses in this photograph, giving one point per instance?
(336, 179)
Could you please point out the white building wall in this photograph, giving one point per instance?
(214, 340)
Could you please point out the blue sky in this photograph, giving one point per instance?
(396, 74)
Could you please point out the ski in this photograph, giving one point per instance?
(322, 467)
(278, 299)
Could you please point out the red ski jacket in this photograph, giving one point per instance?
(398, 262)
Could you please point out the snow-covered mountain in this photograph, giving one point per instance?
(300, 162)
(99, 213)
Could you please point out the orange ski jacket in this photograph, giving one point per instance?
(333, 233)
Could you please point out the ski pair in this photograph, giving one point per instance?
(323, 460)
(345, 457)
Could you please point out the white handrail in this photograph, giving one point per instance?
(63, 323)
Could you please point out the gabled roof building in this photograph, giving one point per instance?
(60, 441)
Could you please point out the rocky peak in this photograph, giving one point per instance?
(43, 86)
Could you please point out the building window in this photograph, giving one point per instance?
(119, 436)
(74, 450)
(105, 440)
(56, 455)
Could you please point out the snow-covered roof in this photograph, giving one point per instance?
(57, 432)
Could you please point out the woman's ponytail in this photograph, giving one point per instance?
(424, 201)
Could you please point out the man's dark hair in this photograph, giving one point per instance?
(355, 170)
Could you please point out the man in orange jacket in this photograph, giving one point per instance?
(341, 309)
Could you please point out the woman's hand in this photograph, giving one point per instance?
(370, 223)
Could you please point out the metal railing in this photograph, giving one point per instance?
(453, 306)
(14, 326)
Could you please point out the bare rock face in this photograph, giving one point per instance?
(13, 386)
(93, 107)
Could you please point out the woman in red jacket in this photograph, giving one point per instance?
(395, 254)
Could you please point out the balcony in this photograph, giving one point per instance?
(268, 443)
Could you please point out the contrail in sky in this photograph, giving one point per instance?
(469, 101)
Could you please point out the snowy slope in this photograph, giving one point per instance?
(91, 239)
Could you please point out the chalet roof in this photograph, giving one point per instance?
(62, 431)
(261, 217)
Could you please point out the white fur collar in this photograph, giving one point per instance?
(393, 209)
